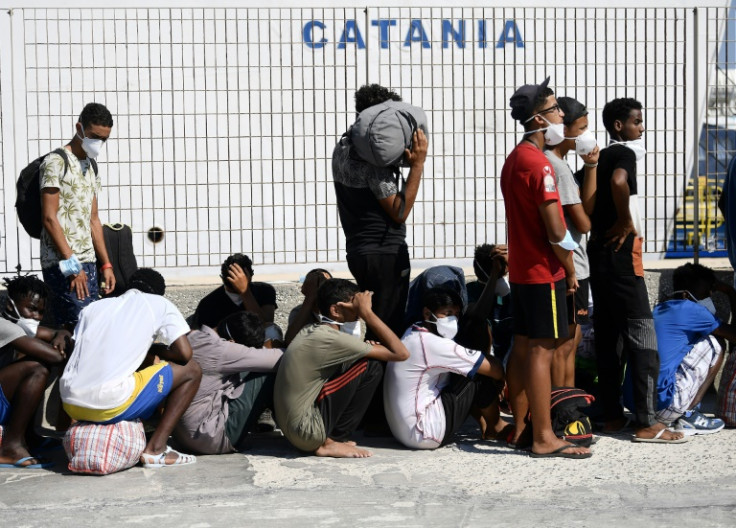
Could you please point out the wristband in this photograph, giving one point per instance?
(105, 266)
(70, 266)
(591, 165)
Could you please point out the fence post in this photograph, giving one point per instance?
(696, 143)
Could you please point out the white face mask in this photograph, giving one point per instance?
(234, 297)
(707, 303)
(585, 143)
(29, 326)
(446, 326)
(502, 287)
(91, 147)
(349, 327)
(636, 145)
(554, 134)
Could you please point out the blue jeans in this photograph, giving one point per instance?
(64, 303)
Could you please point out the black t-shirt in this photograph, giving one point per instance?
(359, 186)
(216, 305)
(614, 157)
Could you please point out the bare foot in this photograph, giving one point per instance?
(651, 432)
(350, 443)
(550, 447)
(341, 450)
(501, 431)
(521, 439)
(9, 455)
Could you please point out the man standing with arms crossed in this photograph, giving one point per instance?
(541, 269)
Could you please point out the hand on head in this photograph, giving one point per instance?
(238, 279)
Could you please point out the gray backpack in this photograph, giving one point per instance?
(382, 132)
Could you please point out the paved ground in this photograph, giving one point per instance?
(469, 483)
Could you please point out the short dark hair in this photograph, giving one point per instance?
(245, 328)
(436, 298)
(242, 260)
(25, 286)
(95, 114)
(572, 108)
(693, 277)
(333, 291)
(538, 102)
(147, 280)
(618, 110)
(317, 271)
(483, 260)
(373, 94)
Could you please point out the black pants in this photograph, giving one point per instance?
(387, 276)
(624, 333)
(463, 394)
(345, 397)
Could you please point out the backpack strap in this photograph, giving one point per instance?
(93, 162)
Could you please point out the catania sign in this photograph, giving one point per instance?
(454, 33)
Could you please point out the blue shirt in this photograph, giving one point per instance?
(679, 325)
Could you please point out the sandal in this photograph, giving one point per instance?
(157, 461)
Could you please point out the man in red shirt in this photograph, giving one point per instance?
(541, 270)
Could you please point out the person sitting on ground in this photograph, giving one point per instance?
(102, 382)
(328, 374)
(443, 276)
(312, 281)
(690, 343)
(25, 305)
(22, 384)
(428, 397)
(500, 319)
(238, 374)
(238, 292)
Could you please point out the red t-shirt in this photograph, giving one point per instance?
(527, 181)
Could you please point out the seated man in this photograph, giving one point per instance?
(25, 306)
(101, 382)
(238, 292)
(298, 319)
(328, 374)
(237, 384)
(428, 397)
(690, 354)
(500, 316)
(22, 384)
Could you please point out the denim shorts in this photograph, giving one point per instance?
(64, 303)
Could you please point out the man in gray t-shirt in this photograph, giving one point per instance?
(576, 209)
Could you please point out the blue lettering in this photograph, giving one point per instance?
(309, 36)
(351, 33)
(383, 26)
(448, 31)
(482, 34)
(510, 34)
(416, 33)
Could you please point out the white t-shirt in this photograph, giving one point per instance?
(412, 388)
(111, 341)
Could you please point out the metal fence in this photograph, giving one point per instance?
(225, 118)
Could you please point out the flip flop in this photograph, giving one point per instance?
(18, 464)
(560, 453)
(659, 440)
(157, 461)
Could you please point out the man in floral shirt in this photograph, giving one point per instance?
(72, 231)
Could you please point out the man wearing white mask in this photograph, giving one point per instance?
(620, 296)
(71, 240)
(430, 395)
(581, 140)
(328, 374)
(690, 338)
(541, 270)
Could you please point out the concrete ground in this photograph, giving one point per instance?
(468, 483)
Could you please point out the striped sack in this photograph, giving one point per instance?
(103, 449)
(726, 409)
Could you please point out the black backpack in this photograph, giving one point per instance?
(28, 187)
(569, 422)
(119, 244)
